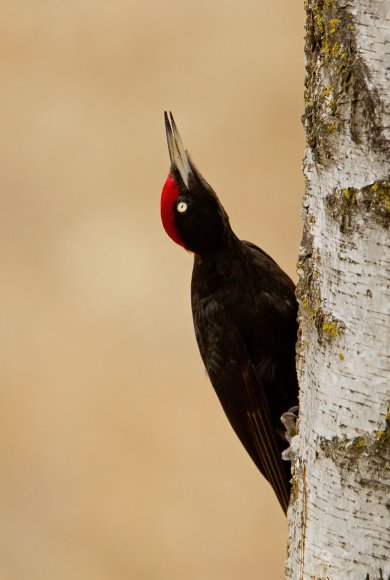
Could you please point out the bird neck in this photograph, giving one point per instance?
(219, 259)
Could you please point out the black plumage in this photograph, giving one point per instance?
(244, 310)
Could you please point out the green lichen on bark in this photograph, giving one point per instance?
(295, 484)
(368, 453)
(309, 293)
(352, 207)
(337, 93)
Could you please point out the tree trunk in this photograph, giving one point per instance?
(339, 515)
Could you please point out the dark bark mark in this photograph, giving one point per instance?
(369, 203)
(338, 97)
(368, 453)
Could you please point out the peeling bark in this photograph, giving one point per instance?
(339, 516)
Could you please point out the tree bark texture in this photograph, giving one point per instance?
(339, 516)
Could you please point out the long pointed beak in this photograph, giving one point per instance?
(177, 153)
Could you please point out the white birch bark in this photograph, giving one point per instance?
(339, 518)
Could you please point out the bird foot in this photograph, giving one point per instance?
(289, 420)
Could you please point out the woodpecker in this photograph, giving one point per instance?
(245, 315)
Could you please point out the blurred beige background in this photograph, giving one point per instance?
(116, 461)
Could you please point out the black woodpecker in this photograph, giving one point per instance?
(245, 316)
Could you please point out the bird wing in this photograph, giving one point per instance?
(239, 390)
(263, 435)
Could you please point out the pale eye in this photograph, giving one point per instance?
(182, 207)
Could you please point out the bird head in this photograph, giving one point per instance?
(191, 212)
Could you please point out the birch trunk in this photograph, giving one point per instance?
(339, 518)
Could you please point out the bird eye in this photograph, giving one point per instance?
(182, 207)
